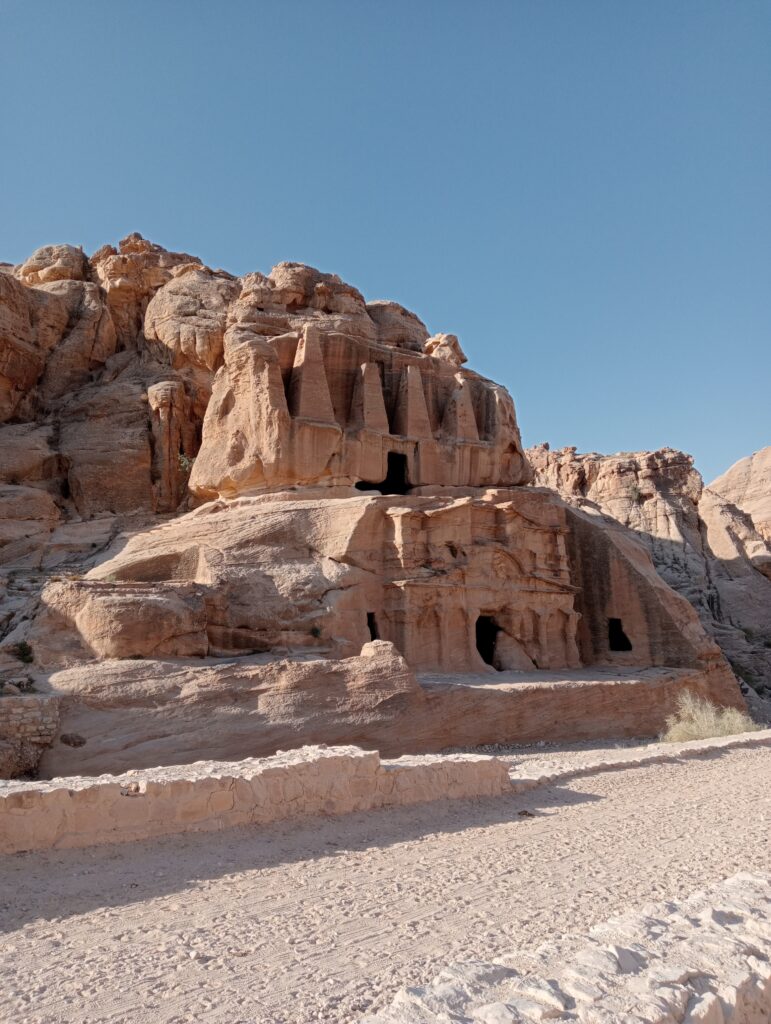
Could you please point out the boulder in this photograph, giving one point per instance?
(54, 263)
(188, 315)
(397, 326)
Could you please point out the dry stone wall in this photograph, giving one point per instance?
(704, 960)
(28, 725)
(208, 796)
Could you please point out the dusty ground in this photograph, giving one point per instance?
(319, 921)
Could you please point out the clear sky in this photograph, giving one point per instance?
(580, 190)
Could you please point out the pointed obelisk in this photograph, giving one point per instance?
(459, 420)
(368, 409)
(411, 418)
(309, 397)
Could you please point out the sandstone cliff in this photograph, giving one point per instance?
(237, 513)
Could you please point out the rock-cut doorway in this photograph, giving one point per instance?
(396, 480)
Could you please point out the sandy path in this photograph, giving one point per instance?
(317, 922)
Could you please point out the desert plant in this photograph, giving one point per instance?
(698, 719)
(185, 463)
(23, 652)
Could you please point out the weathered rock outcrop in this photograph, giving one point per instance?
(747, 484)
(704, 546)
(31, 323)
(264, 575)
(361, 485)
(250, 624)
(129, 276)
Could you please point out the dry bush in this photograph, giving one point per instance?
(699, 719)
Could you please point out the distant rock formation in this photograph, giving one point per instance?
(747, 484)
(705, 546)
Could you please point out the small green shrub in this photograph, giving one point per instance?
(315, 632)
(700, 719)
(185, 463)
(23, 652)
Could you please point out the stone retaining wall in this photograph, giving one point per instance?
(704, 959)
(212, 795)
(28, 725)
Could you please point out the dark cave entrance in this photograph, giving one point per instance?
(396, 481)
(374, 632)
(487, 636)
(617, 638)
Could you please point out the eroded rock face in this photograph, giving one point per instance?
(27, 516)
(747, 484)
(362, 487)
(31, 322)
(506, 580)
(704, 546)
(117, 357)
(129, 277)
(87, 343)
(147, 712)
(54, 263)
(188, 316)
(174, 441)
(310, 408)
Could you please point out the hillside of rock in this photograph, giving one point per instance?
(244, 512)
(747, 484)
(706, 547)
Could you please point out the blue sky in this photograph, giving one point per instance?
(580, 190)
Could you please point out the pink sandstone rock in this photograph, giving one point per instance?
(284, 472)
(704, 546)
(747, 484)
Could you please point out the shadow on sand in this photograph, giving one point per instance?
(55, 885)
